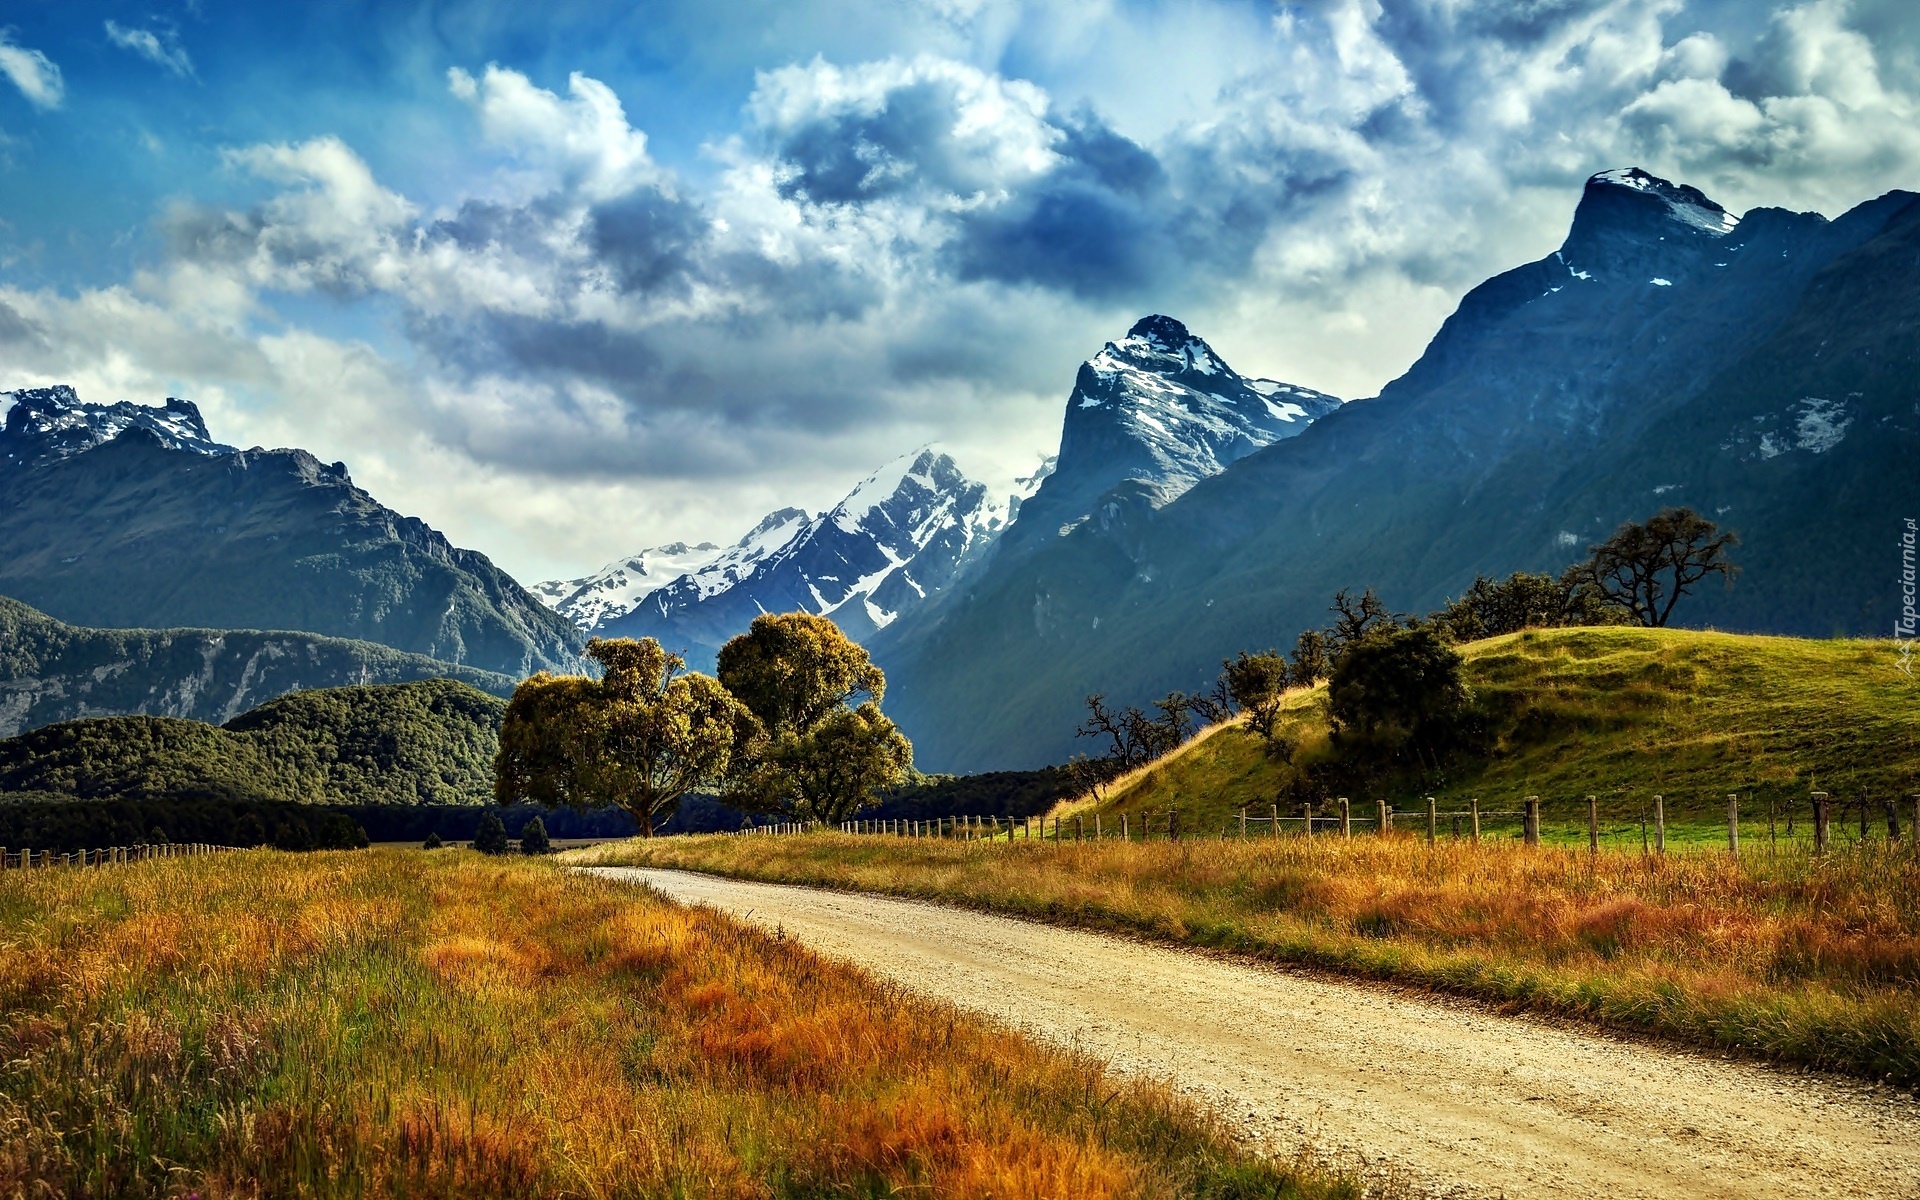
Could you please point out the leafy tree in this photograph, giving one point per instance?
(491, 837)
(1397, 684)
(433, 842)
(157, 836)
(794, 669)
(249, 831)
(1311, 661)
(533, 837)
(830, 772)
(641, 736)
(1258, 685)
(1491, 607)
(823, 757)
(1644, 569)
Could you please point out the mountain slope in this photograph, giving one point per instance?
(1617, 375)
(51, 672)
(136, 533)
(902, 537)
(430, 742)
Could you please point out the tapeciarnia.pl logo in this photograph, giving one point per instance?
(1904, 624)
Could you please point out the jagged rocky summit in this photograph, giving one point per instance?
(44, 424)
(1150, 416)
(901, 538)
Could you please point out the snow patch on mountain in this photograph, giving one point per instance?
(1688, 205)
(619, 587)
(45, 424)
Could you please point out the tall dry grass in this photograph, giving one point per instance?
(1785, 956)
(396, 1023)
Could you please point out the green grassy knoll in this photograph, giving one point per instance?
(1618, 713)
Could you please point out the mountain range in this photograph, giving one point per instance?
(51, 671)
(1761, 369)
(124, 516)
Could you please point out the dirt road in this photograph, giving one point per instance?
(1455, 1100)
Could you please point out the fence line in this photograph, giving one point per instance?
(1604, 824)
(15, 860)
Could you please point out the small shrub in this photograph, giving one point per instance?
(491, 837)
(533, 838)
(433, 842)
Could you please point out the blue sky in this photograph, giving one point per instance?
(573, 278)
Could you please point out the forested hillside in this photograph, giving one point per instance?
(430, 742)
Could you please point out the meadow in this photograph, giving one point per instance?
(1776, 954)
(403, 1023)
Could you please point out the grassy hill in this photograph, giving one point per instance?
(426, 742)
(1613, 712)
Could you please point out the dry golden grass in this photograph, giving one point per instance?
(1784, 956)
(395, 1023)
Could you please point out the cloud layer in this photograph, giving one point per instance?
(577, 348)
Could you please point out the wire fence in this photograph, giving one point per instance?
(1816, 824)
(16, 860)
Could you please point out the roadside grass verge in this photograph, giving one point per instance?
(1797, 959)
(398, 1023)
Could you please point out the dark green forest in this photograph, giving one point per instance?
(428, 742)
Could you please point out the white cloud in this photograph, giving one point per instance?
(161, 49)
(586, 350)
(36, 75)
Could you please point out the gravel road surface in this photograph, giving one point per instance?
(1450, 1098)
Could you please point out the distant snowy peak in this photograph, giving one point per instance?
(619, 587)
(1636, 229)
(44, 424)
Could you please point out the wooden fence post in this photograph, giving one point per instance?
(1893, 819)
(1733, 823)
(1593, 824)
(1819, 822)
(1474, 804)
(1306, 815)
(1385, 824)
(1173, 824)
(1433, 820)
(1079, 830)
(1243, 822)
(1914, 840)
(1126, 833)
(1530, 831)
(1346, 818)
(1659, 823)
(1276, 820)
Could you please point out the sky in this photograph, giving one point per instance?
(571, 279)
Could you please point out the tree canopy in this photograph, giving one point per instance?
(793, 669)
(641, 736)
(1645, 568)
(824, 758)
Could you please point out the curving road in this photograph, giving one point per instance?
(1448, 1097)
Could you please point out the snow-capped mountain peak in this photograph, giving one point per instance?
(1684, 203)
(1162, 408)
(901, 536)
(44, 424)
(620, 586)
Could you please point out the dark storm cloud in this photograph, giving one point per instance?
(647, 239)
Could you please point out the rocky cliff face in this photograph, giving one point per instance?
(51, 671)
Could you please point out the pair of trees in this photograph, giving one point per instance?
(778, 732)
